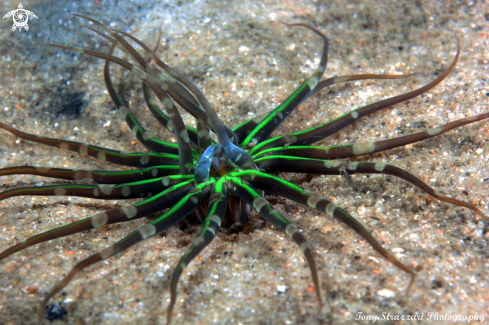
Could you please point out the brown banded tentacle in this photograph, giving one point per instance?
(215, 213)
(114, 40)
(293, 192)
(184, 149)
(174, 89)
(278, 115)
(98, 176)
(143, 136)
(184, 86)
(204, 137)
(146, 188)
(111, 40)
(360, 149)
(178, 85)
(356, 77)
(158, 76)
(322, 131)
(162, 118)
(159, 202)
(184, 206)
(237, 155)
(243, 129)
(251, 196)
(135, 159)
(167, 83)
(333, 167)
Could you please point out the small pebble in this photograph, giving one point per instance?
(281, 288)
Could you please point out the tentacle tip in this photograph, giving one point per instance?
(482, 215)
(405, 299)
(283, 22)
(403, 302)
(77, 15)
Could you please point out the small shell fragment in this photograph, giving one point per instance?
(386, 293)
(282, 288)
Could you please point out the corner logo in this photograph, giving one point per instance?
(20, 17)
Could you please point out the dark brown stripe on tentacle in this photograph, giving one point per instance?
(180, 131)
(369, 76)
(251, 196)
(216, 209)
(185, 206)
(158, 203)
(196, 94)
(113, 156)
(138, 131)
(98, 176)
(320, 132)
(146, 188)
(283, 188)
(242, 130)
(359, 149)
(334, 167)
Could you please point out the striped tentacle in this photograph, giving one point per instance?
(168, 83)
(146, 188)
(237, 155)
(245, 128)
(111, 38)
(356, 77)
(216, 210)
(293, 192)
(334, 167)
(171, 85)
(178, 87)
(182, 208)
(143, 136)
(176, 91)
(279, 114)
(251, 196)
(98, 176)
(360, 149)
(184, 149)
(204, 137)
(181, 83)
(324, 130)
(157, 203)
(163, 119)
(135, 159)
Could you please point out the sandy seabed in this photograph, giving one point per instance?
(246, 63)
